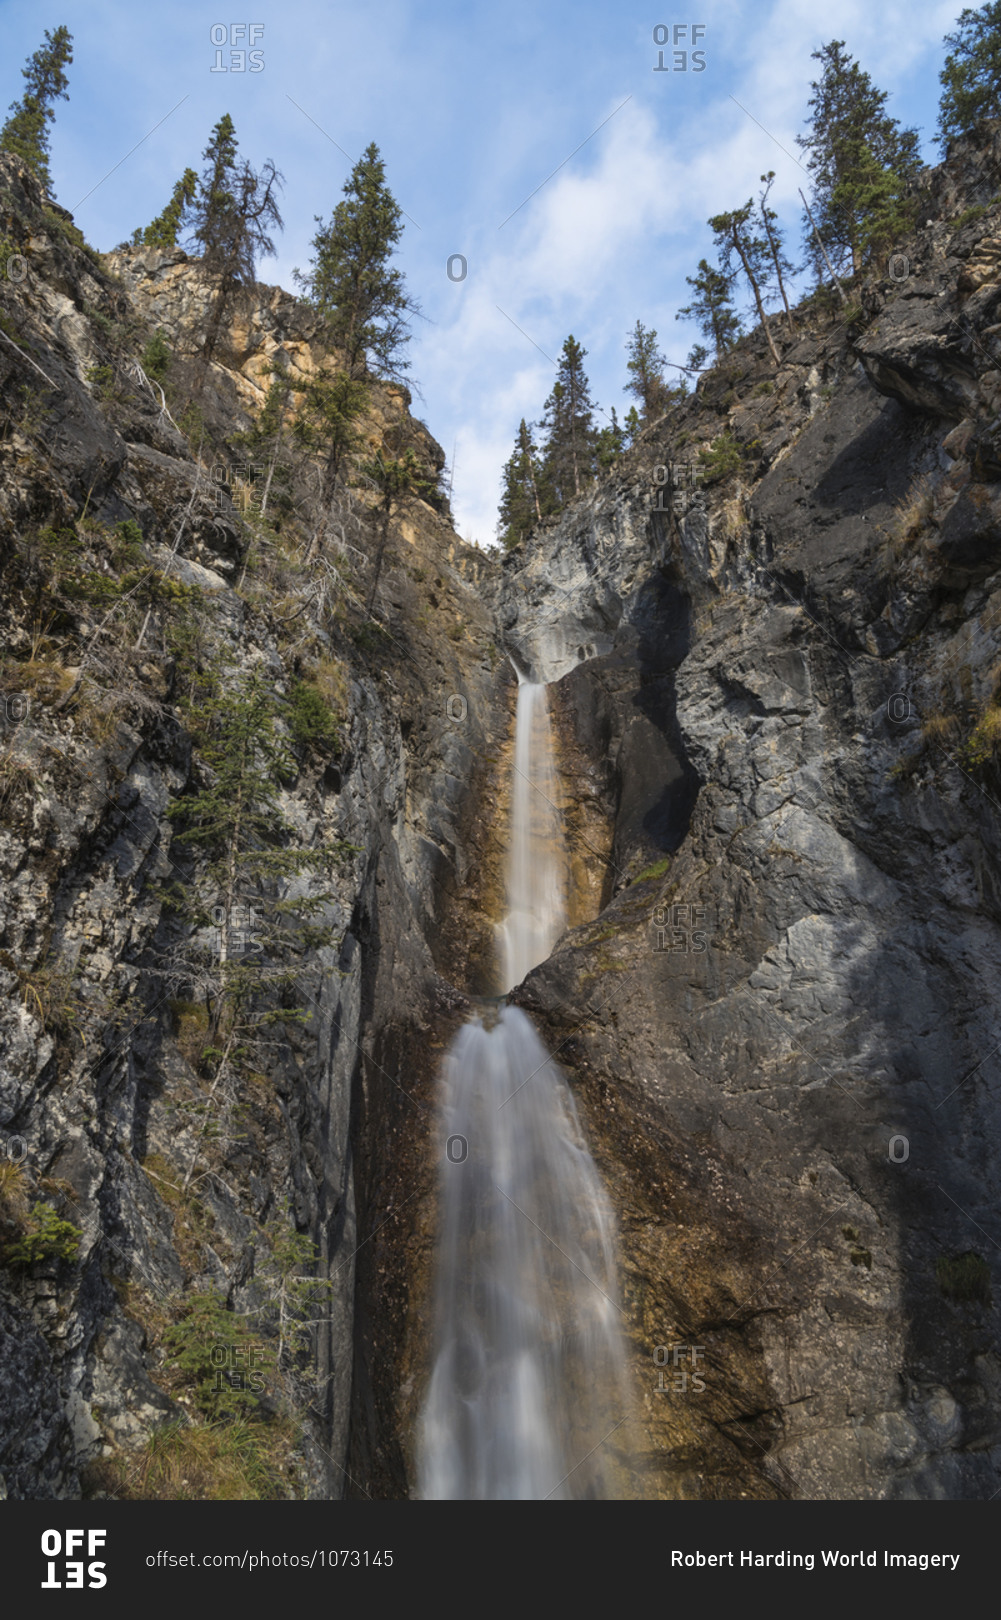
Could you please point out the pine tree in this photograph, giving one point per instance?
(232, 216)
(395, 478)
(26, 132)
(610, 443)
(633, 425)
(520, 505)
(352, 282)
(971, 77)
(325, 422)
(734, 238)
(773, 236)
(234, 821)
(163, 231)
(568, 457)
(712, 308)
(860, 159)
(646, 371)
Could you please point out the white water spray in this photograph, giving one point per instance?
(528, 1394)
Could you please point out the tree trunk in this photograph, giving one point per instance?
(738, 244)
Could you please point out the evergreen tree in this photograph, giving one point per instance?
(232, 216)
(520, 506)
(646, 371)
(633, 425)
(330, 405)
(395, 478)
(569, 457)
(773, 236)
(26, 132)
(860, 159)
(712, 308)
(735, 239)
(610, 443)
(971, 77)
(352, 282)
(163, 231)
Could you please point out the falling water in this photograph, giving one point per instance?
(527, 1392)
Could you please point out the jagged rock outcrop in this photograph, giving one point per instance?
(131, 567)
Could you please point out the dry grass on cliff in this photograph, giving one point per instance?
(204, 1462)
(911, 518)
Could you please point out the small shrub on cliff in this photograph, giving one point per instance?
(720, 459)
(310, 720)
(44, 1237)
(214, 1352)
(984, 741)
(156, 356)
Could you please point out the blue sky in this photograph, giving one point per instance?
(472, 108)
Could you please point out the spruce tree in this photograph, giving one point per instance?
(773, 235)
(712, 308)
(633, 425)
(352, 282)
(163, 231)
(860, 159)
(646, 371)
(520, 505)
(395, 478)
(971, 77)
(610, 443)
(735, 239)
(569, 455)
(232, 216)
(26, 132)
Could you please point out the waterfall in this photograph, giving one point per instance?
(527, 1396)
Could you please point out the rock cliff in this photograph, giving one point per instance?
(772, 632)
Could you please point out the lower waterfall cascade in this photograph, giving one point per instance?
(528, 1392)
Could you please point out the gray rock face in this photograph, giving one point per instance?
(783, 1029)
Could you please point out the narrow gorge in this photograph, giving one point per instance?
(680, 821)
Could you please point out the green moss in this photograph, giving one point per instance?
(965, 1277)
(657, 870)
